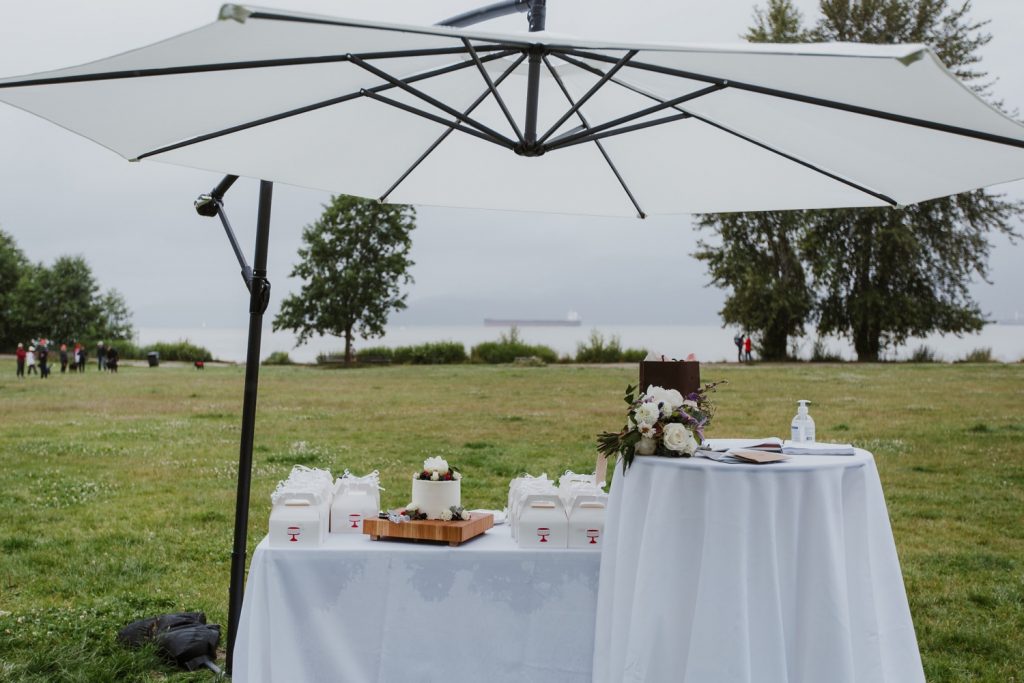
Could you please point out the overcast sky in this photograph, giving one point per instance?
(134, 223)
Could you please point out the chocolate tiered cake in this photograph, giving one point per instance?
(681, 375)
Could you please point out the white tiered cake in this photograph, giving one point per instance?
(437, 488)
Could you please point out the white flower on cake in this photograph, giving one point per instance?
(446, 516)
(465, 515)
(647, 414)
(436, 464)
(679, 439)
(434, 476)
(457, 476)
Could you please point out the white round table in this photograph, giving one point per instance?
(723, 573)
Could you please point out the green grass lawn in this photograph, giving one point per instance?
(117, 490)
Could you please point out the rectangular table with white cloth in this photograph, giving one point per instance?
(736, 573)
(395, 612)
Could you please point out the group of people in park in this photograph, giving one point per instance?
(38, 359)
(743, 346)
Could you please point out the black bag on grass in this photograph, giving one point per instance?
(183, 638)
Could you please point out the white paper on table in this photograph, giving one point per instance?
(817, 448)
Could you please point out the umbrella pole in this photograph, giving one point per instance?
(259, 297)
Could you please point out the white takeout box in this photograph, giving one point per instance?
(354, 501)
(542, 522)
(586, 522)
(298, 520)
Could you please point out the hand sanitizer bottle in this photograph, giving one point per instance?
(802, 426)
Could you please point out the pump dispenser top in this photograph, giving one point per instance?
(802, 426)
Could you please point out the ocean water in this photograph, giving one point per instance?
(709, 343)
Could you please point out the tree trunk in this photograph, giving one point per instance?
(867, 343)
(773, 342)
(348, 346)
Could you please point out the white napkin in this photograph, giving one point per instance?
(817, 448)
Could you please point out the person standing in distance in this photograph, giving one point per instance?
(20, 356)
(101, 357)
(30, 360)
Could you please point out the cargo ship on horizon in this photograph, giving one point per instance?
(572, 319)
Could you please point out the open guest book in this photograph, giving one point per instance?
(749, 451)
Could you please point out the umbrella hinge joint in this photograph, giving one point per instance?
(259, 299)
(530, 149)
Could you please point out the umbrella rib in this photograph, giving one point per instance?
(416, 92)
(492, 87)
(438, 119)
(236, 66)
(806, 164)
(585, 137)
(617, 81)
(313, 107)
(587, 95)
(586, 124)
(808, 99)
(563, 140)
(769, 148)
(443, 136)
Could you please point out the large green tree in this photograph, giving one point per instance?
(759, 260)
(61, 302)
(12, 264)
(354, 263)
(878, 275)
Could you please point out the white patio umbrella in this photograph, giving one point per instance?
(538, 122)
(452, 117)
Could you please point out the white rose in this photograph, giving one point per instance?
(690, 404)
(646, 446)
(412, 508)
(647, 413)
(457, 476)
(661, 395)
(434, 476)
(436, 464)
(679, 439)
(446, 516)
(465, 515)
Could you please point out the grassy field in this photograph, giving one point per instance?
(117, 490)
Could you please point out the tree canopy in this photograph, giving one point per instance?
(61, 302)
(876, 276)
(354, 263)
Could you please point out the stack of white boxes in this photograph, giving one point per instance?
(571, 515)
(355, 499)
(301, 513)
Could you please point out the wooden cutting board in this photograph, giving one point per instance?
(452, 533)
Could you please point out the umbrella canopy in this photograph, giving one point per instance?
(539, 122)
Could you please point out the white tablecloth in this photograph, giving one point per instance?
(723, 573)
(358, 611)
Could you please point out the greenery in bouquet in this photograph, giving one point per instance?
(412, 513)
(438, 469)
(660, 422)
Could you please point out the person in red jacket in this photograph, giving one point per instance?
(20, 355)
(746, 348)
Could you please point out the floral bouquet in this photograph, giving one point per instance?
(438, 469)
(660, 422)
